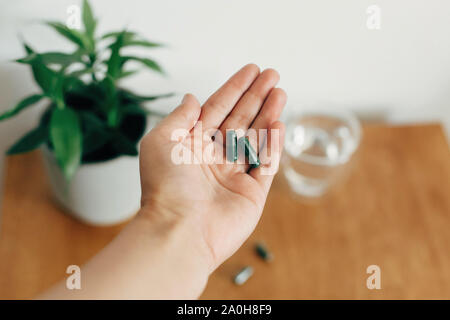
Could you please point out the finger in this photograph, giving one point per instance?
(219, 105)
(184, 117)
(270, 111)
(248, 107)
(270, 156)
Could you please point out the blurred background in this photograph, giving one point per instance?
(388, 61)
(323, 49)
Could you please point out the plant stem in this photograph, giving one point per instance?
(92, 58)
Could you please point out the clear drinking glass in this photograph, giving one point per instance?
(318, 148)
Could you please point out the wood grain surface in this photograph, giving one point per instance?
(393, 211)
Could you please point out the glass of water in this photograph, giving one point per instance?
(318, 148)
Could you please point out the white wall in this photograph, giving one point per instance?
(322, 49)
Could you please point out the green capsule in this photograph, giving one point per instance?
(232, 146)
(243, 275)
(250, 153)
(262, 251)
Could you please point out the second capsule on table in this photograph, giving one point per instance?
(262, 251)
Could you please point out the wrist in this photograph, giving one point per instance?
(180, 243)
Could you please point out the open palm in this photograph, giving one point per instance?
(221, 201)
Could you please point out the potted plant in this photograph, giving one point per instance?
(90, 130)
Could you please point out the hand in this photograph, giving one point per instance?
(193, 216)
(219, 203)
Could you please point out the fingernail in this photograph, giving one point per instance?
(184, 98)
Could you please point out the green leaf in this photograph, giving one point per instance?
(109, 86)
(149, 63)
(28, 49)
(114, 114)
(66, 138)
(56, 92)
(115, 34)
(138, 98)
(44, 76)
(81, 72)
(63, 59)
(111, 103)
(28, 59)
(142, 43)
(124, 74)
(88, 19)
(28, 101)
(30, 141)
(71, 34)
(115, 61)
(131, 38)
(50, 81)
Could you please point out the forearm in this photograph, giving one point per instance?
(155, 257)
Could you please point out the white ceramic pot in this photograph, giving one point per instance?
(99, 194)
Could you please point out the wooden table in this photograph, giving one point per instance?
(392, 211)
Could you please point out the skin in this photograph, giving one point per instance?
(193, 216)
